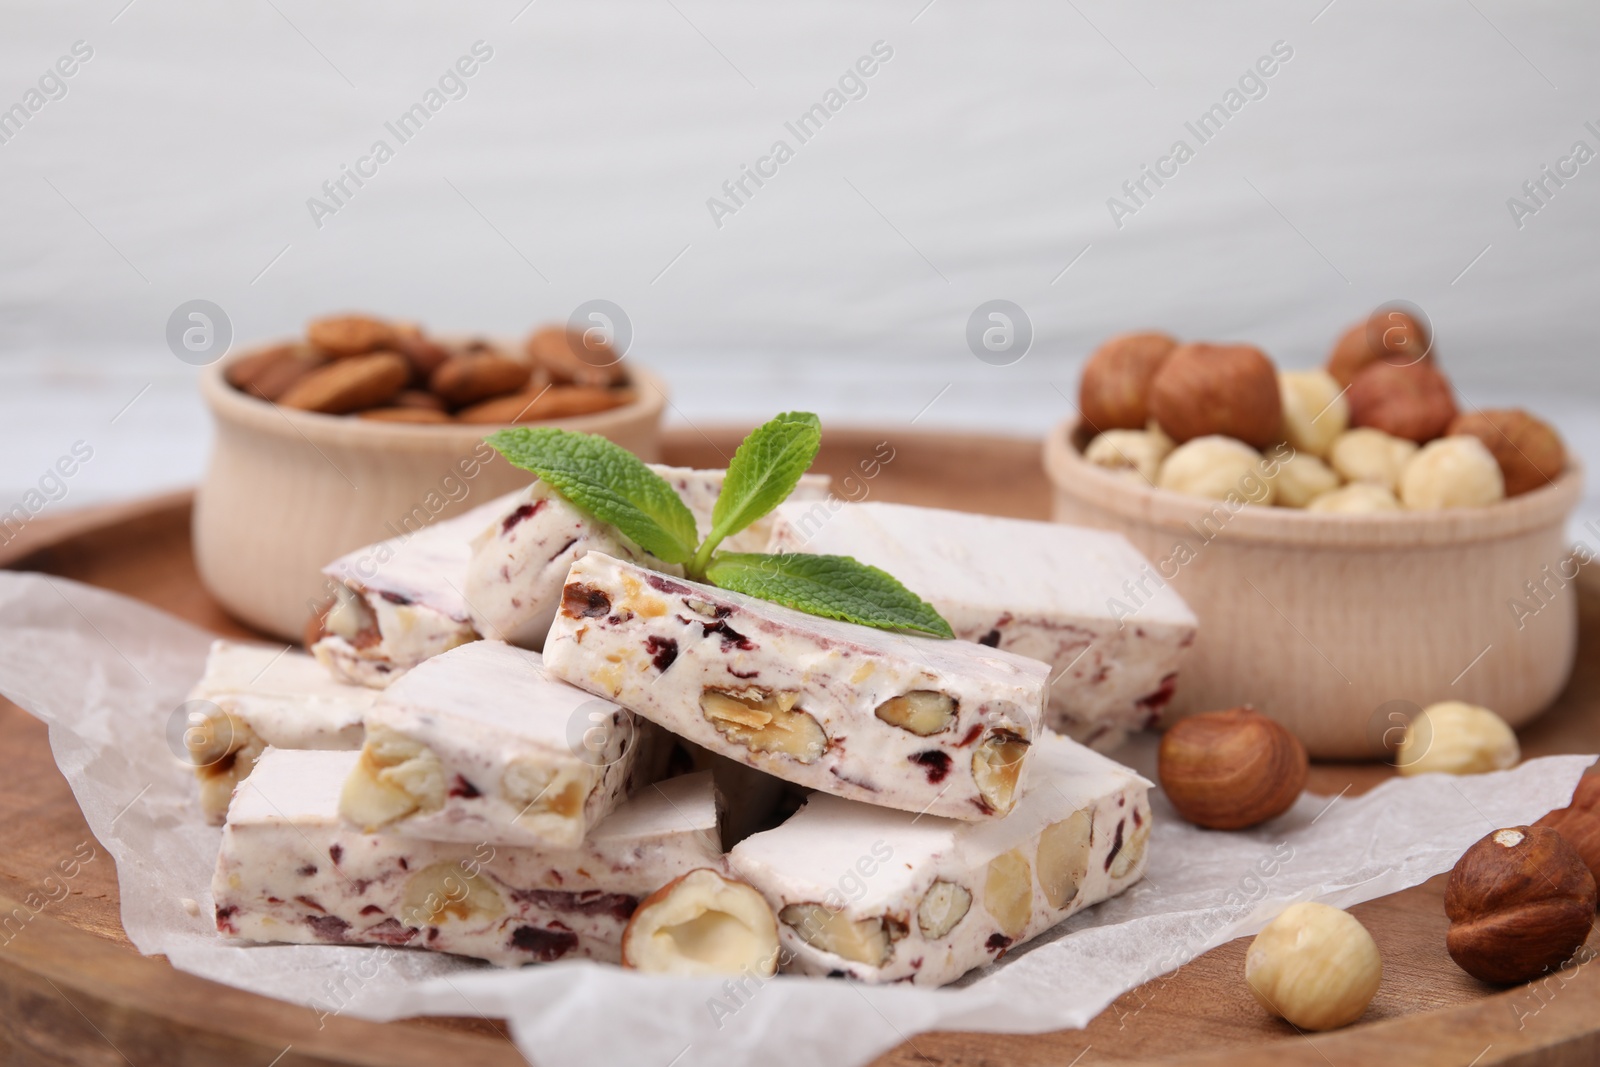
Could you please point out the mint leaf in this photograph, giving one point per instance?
(834, 587)
(764, 471)
(608, 482)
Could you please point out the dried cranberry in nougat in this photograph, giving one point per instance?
(916, 723)
(291, 870)
(1086, 602)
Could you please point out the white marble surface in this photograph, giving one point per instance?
(978, 164)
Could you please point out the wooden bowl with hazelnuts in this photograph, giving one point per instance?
(368, 429)
(1350, 537)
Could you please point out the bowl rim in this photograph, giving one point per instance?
(1076, 477)
(238, 408)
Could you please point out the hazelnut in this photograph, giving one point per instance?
(1520, 903)
(1357, 498)
(1136, 454)
(1315, 966)
(1114, 392)
(701, 924)
(1372, 457)
(1315, 410)
(1217, 468)
(1579, 822)
(1227, 770)
(1228, 390)
(1388, 335)
(1413, 401)
(1528, 449)
(1301, 479)
(1452, 472)
(1457, 738)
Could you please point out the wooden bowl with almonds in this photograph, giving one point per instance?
(368, 430)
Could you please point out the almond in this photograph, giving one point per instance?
(404, 414)
(549, 402)
(350, 335)
(268, 374)
(424, 353)
(418, 398)
(347, 385)
(467, 379)
(575, 358)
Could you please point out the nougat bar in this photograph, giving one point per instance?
(1084, 601)
(482, 744)
(885, 896)
(292, 870)
(401, 601)
(918, 723)
(253, 696)
(520, 559)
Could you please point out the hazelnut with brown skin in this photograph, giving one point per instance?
(1520, 902)
(1579, 822)
(1228, 770)
(1228, 390)
(1391, 336)
(1528, 449)
(1413, 401)
(1114, 392)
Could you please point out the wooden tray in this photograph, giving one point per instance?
(73, 990)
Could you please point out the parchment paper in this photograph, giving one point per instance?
(106, 673)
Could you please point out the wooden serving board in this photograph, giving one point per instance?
(73, 989)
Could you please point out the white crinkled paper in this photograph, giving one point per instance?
(106, 674)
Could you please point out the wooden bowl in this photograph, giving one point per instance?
(288, 491)
(1338, 625)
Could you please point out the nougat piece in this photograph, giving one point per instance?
(917, 723)
(401, 601)
(520, 560)
(482, 744)
(1084, 601)
(884, 896)
(253, 696)
(292, 870)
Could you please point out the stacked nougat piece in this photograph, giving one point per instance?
(497, 791)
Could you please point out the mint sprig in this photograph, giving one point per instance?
(764, 471)
(834, 587)
(607, 481)
(615, 486)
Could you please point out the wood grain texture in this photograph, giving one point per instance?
(73, 990)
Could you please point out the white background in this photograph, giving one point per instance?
(978, 165)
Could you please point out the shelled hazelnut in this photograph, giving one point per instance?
(1216, 468)
(1457, 738)
(1301, 479)
(1452, 472)
(1342, 439)
(1114, 392)
(1315, 411)
(1357, 498)
(1137, 454)
(1315, 966)
(1529, 451)
(1521, 901)
(1371, 457)
(1206, 390)
(1228, 770)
